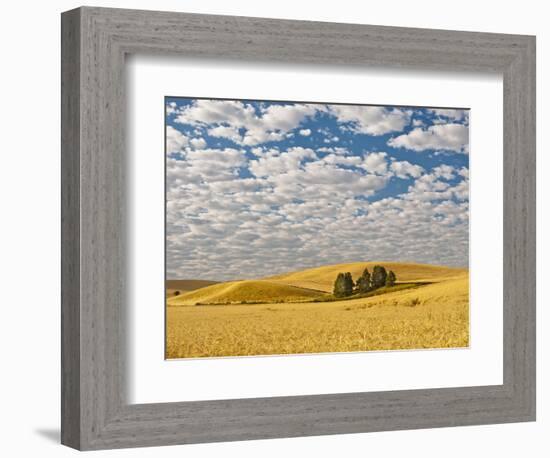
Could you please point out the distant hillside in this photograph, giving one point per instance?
(322, 278)
(297, 286)
(244, 291)
(184, 286)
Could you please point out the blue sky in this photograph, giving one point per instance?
(256, 188)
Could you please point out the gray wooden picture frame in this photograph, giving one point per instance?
(95, 411)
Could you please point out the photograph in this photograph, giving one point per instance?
(298, 227)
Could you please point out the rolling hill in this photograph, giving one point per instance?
(184, 286)
(322, 278)
(453, 291)
(299, 286)
(244, 291)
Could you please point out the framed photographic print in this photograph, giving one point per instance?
(336, 220)
(313, 228)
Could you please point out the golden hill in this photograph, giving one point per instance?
(454, 291)
(184, 286)
(322, 278)
(243, 291)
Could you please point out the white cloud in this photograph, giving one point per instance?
(404, 169)
(452, 137)
(338, 159)
(226, 118)
(216, 112)
(175, 140)
(333, 149)
(444, 171)
(198, 142)
(305, 132)
(302, 210)
(371, 120)
(435, 185)
(204, 165)
(286, 117)
(285, 162)
(231, 133)
(455, 115)
(464, 172)
(171, 108)
(375, 163)
(256, 209)
(225, 158)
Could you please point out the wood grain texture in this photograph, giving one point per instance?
(96, 414)
(70, 229)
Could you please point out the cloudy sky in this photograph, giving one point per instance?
(257, 188)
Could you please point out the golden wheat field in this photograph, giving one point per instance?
(236, 319)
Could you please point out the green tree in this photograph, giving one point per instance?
(379, 276)
(348, 284)
(363, 282)
(343, 285)
(390, 279)
(339, 286)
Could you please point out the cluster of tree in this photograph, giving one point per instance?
(345, 286)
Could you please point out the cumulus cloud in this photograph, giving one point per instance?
(437, 185)
(451, 137)
(242, 123)
(300, 210)
(285, 162)
(375, 163)
(444, 171)
(404, 169)
(338, 150)
(455, 115)
(204, 165)
(371, 120)
(305, 132)
(256, 209)
(341, 159)
(198, 142)
(171, 108)
(175, 140)
(229, 132)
